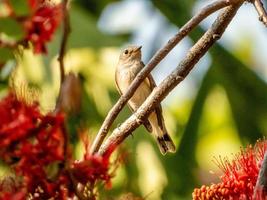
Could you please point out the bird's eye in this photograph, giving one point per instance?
(126, 51)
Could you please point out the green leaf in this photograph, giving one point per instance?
(5, 55)
(11, 28)
(246, 93)
(86, 32)
(20, 7)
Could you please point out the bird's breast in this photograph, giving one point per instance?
(124, 79)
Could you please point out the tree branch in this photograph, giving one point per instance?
(182, 70)
(161, 54)
(258, 4)
(66, 32)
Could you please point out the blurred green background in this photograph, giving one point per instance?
(221, 106)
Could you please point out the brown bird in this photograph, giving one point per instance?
(129, 65)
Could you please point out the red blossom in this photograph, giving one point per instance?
(42, 25)
(239, 176)
(19, 122)
(16, 121)
(92, 168)
(32, 142)
(35, 4)
(20, 195)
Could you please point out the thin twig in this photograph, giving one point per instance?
(258, 4)
(66, 32)
(182, 70)
(155, 60)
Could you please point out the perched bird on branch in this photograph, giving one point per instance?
(129, 65)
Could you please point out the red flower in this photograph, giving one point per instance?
(42, 25)
(239, 178)
(34, 4)
(20, 195)
(92, 168)
(32, 143)
(16, 121)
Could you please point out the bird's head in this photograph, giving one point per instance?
(131, 54)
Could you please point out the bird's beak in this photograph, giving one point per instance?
(138, 48)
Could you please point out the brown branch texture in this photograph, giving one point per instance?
(258, 4)
(66, 32)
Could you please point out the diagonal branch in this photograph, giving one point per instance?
(161, 54)
(258, 4)
(62, 51)
(182, 70)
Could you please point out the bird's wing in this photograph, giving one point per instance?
(146, 122)
(117, 85)
(150, 81)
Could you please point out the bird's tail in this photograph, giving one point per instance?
(164, 142)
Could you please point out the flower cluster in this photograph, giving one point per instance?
(40, 23)
(92, 168)
(36, 148)
(41, 26)
(239, 176)
(32, 143)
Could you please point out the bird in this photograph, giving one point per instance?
(129, 65)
